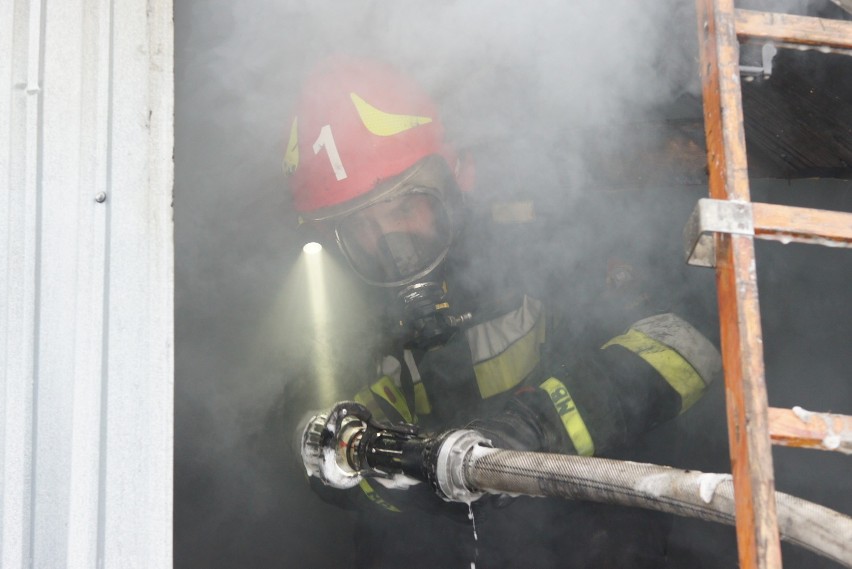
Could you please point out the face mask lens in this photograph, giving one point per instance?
(393, 241)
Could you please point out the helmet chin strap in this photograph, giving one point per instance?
(423, 314)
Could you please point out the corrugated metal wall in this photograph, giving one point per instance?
(86, 280)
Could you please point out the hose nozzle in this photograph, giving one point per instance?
(330, 442)
(345, 445)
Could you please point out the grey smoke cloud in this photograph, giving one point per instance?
(529, 77)
(533, 79)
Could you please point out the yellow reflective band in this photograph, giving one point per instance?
(381, 123)
(374, 497)
(365, 397)
(668, 362)
(387, 390)
(421, 400)
(512, 366)
(291, 156)
(571, 418)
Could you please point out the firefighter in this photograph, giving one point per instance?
(371, 172)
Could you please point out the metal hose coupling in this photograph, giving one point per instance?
(451, 456)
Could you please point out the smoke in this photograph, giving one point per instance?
(532, 80)
(541, 92)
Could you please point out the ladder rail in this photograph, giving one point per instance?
(758, 541)
(721, 234)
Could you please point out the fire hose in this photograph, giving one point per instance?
(346, 445)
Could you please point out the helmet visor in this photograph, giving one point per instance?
(396, 240)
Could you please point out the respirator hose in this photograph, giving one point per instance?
(681, 492)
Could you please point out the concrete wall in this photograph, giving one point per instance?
(86, 281)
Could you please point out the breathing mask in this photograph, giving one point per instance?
(398, 240)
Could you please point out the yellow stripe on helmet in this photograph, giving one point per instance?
(291, 155)
(381, 123)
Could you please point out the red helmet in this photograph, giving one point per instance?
(357, 123)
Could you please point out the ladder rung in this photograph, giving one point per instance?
(803, 225)
(790, 29)
(807, 429)
(765, 221)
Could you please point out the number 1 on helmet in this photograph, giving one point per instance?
(326, 140)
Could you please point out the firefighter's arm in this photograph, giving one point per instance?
(650, 374)
(657, 369)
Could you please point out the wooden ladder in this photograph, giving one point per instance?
(721, 233)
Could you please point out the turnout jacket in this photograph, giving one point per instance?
(500, 377)
(588, 375)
